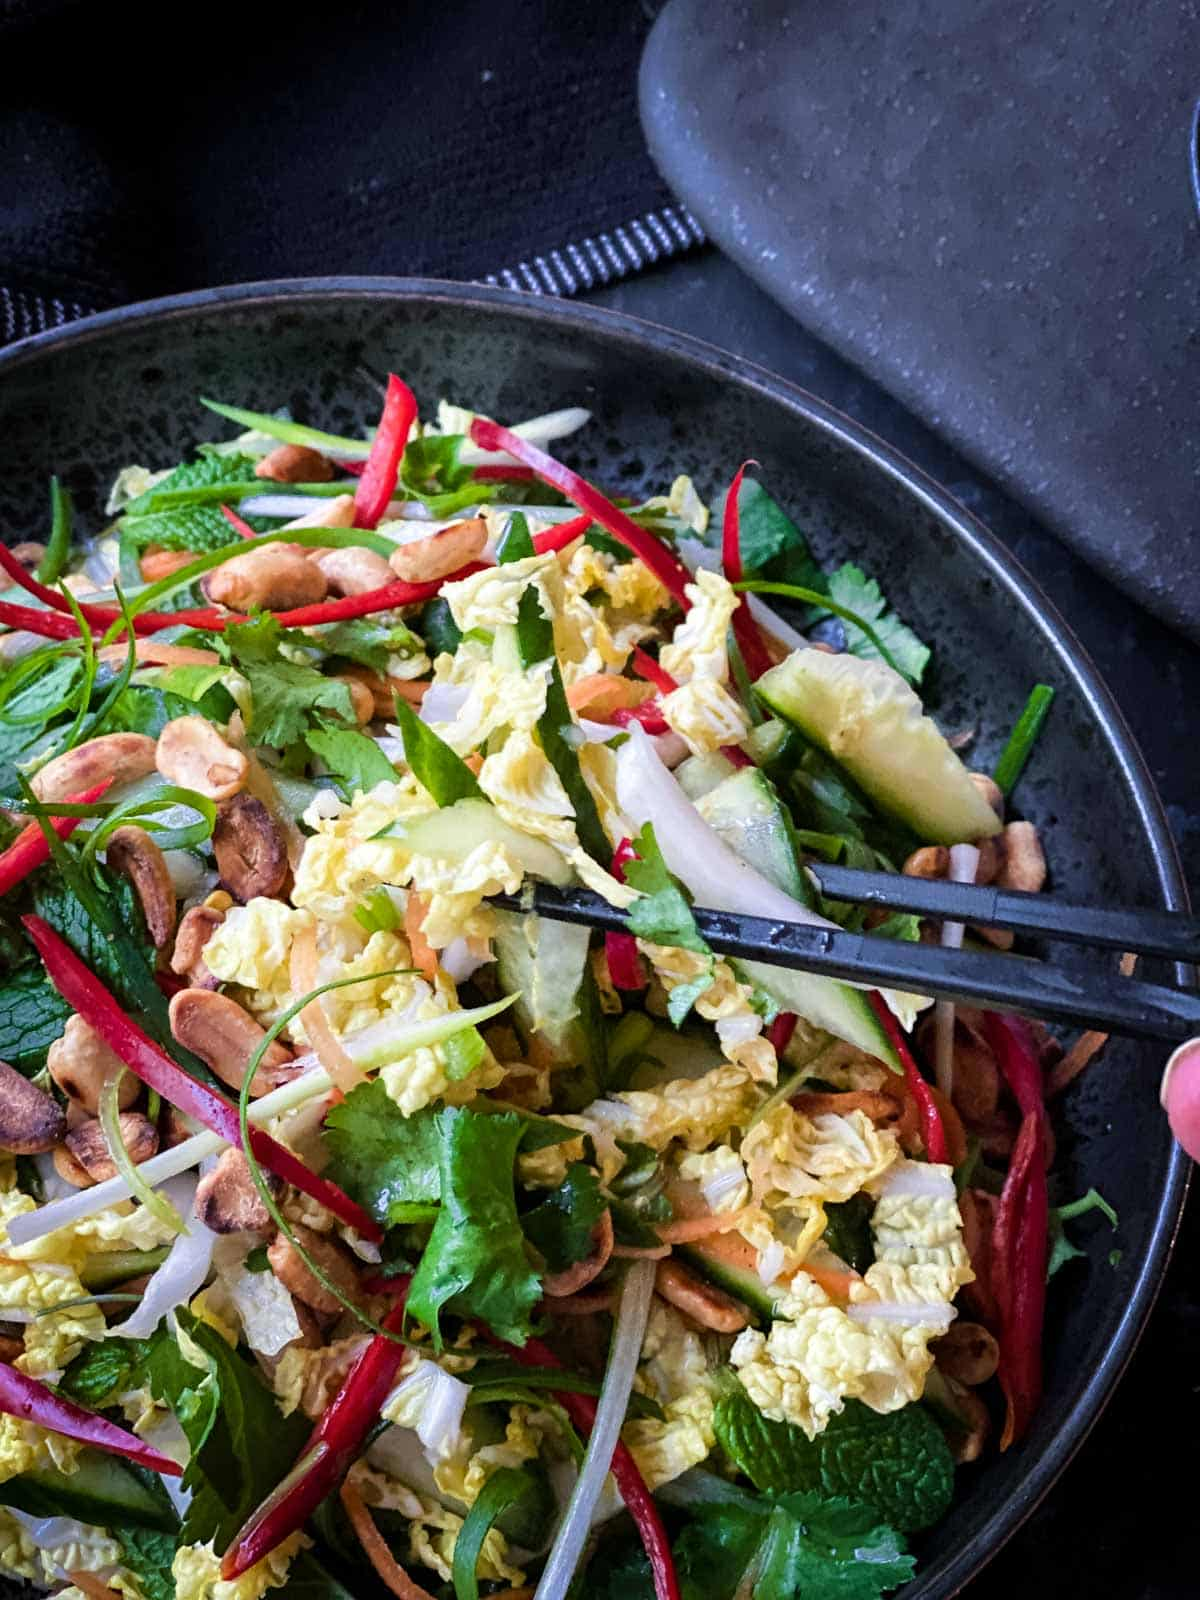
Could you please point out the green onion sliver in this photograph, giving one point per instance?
(59, 544)
(291, 432)
(503, 1489)
(210, 494)
(110, 1120)
(1023, 737)
(811, 597)
(140, 811)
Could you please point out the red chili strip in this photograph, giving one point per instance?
(30, 619)
(662, 561)
(331, 1449)
(84, 993)
(382, 471)
(932, 1131)
(239, 525)
(779, 1034)
(620, 949)
(1021, 1236)
(647, 715)
(98, 616)
(32, 1401)
(29, 849)
(646, 667)
(746, 631)
(503, 474)
(563, 534)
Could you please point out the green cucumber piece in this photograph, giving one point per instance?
(101, 1491)
(544, 964)
(711, 1261)
(867, 718)
(698, 775)
(451, 833)
(747, 813)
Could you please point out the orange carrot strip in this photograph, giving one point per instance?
(604, 692)
(424, 957)
(329, 1049)
(684, 1229)
(388, 1569)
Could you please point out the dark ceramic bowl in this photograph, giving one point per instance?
(121, 387)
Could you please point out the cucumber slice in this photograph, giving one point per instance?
(867, 718)
(453, 832)
(102, 1491)
(747, 813)
(699, 775)
(544, 964)
(727, 1261)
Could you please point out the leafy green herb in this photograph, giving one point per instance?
(1062, 1249)
(58, 546)
(437, 627)
(503, 1491)
(897, 1463)
(663, 914)
(562, 1226)
(101, 1489)
(430, 465)
(771, 544)
(435, 766)
(257, 1259)
(32, 1016)
(475, 1263)
(1023, 737)
(148, 1555)
(597, 539)
(384, 1160)
(284, 695)
(848, 1231)
(638, 1196)
(241, 1445)
(517, 543)
(850, 587)
(205, 472)
(367, 640)
(105, 1368)
(351, 757)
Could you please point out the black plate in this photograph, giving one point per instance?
(87, 399)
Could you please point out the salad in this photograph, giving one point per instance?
(361, 1236)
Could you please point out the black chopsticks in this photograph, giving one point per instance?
(1011, 983)
(1149, 933)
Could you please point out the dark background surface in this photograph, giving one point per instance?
(136, 160)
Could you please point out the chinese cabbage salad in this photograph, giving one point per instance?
(360, 1237)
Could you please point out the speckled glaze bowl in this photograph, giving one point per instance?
(121, 387)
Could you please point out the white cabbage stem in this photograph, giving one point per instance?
(964, 863)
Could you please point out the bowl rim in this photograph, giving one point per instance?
(621, 329)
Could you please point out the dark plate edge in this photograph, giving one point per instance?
(1004, 568)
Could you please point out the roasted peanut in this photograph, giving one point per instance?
(963, 1417)
(119, 756)
(224, 1035)
(90, 1148)
(156, 564)
(930, 861)
(354, 571)
(30, 1119)
(380, 690)
(362, 701)
(228, 1201)
(10, 1347)
(335, 513)
(133, 853)
(991, 859)
(423, 560)
(1024, 861)
(999, 938)
(698, 1300)
(69, 1169)
(270, 578)
(967, 1352)
(29, 553)
(196, 928)
(295, 463)
(333, 1260)
(81, 1064)
(174, 1128)
(990, 790)
(249, 847)
(191, 753)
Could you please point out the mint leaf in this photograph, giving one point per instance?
(475, 1262)
(561, 1228)
(105, 1368)
(384, 1160)
(898, 1463)
(352, 757)
(241, 1444)
(202, 473)
(148, 1556)
(195, 528)
(32, 1016)
(435, 766)
(851, 588)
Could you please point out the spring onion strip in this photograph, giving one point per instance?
(209, 494)
(140, 810)
(964, 863)
(33, 666)
(84, 688)
(110, 1121)
(83, 1300)
(59, 544)
(504, 1488)
(1023, 737)
(810, 597)
(122, 681)
(629, 1330)
(291, 432)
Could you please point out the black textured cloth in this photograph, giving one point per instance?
(146, 150)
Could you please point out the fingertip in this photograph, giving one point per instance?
(1180, 1094)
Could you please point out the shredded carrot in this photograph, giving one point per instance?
(582, 1305)
(329, 1049)
(1087, 1045)
(603, 693)
(408, 690)
(92, 1585)
(473, 762)
(387, 1568)
(632, 1253)
(154, 653)
(837, 1284)
(558, 1285)
(878, 1104)
(685, 1229)
(423, 954)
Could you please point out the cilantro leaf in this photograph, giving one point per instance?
(851, 588)
(384, 1160)
(475, 1263)
(284, 694)
(366, 640)
(898, 1463)
(241, 1444)
(352, 757)
(435, 766)
(561, 1227)
(664, 916)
